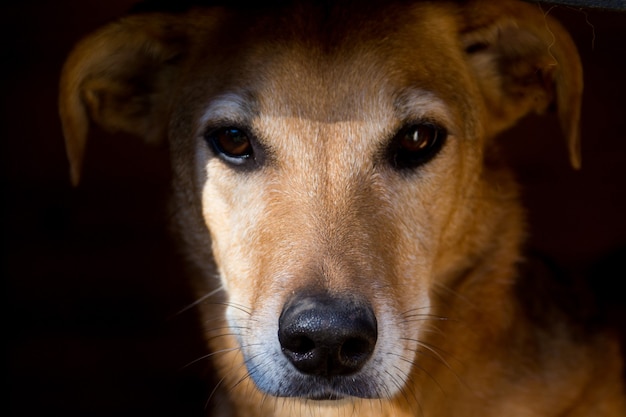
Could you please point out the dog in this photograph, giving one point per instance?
(354, 235)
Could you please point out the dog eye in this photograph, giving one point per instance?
(416, 144)
(231, 144)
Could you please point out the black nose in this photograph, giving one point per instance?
(327, 336)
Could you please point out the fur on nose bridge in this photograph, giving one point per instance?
(332, 250)
(328, 197)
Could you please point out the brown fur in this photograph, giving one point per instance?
(435, 251)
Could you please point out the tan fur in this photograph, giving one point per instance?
(435, 251)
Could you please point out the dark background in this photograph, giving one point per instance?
(92, 283)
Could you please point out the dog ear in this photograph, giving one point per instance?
(525, 62)
(119, 77)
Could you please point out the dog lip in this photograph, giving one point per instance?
(326, 396)
(327, 389)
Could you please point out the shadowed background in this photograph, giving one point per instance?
(92, 282)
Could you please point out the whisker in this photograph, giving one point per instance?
(398, 385)
(442, 288)
(416, 365)
(264, 398)
(233, 370)
(417, 308)
(213, 391)
(214, 330)
(413, 393)
(250, 370)
(433, 350)
(422, 317)
(237, 306)
(429, 375)
(208, 355)
(199, 300)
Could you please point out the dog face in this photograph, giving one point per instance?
(306, 188)
(338, 168)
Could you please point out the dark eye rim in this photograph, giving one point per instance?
(404, 160)
(247, 159)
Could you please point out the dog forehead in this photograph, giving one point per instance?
(338, 75)
(330, 63)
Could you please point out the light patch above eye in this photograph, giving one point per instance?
(417, 104)
(228, 109)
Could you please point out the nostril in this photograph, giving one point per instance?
(355, 351)
(299, 345)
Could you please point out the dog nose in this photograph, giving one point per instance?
(327, 336)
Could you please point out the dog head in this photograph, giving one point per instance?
(337, 164)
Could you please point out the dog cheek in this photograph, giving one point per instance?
(230, 217)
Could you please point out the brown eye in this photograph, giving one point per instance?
(416, 144)
(417, 138)
(232, 144)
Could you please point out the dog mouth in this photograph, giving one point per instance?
(333, 390)
(326, 396)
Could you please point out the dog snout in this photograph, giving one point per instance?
(327, 336)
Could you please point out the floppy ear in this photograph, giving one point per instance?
(119, 77)
(525, 62)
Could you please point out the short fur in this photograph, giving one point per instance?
(435, 250)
